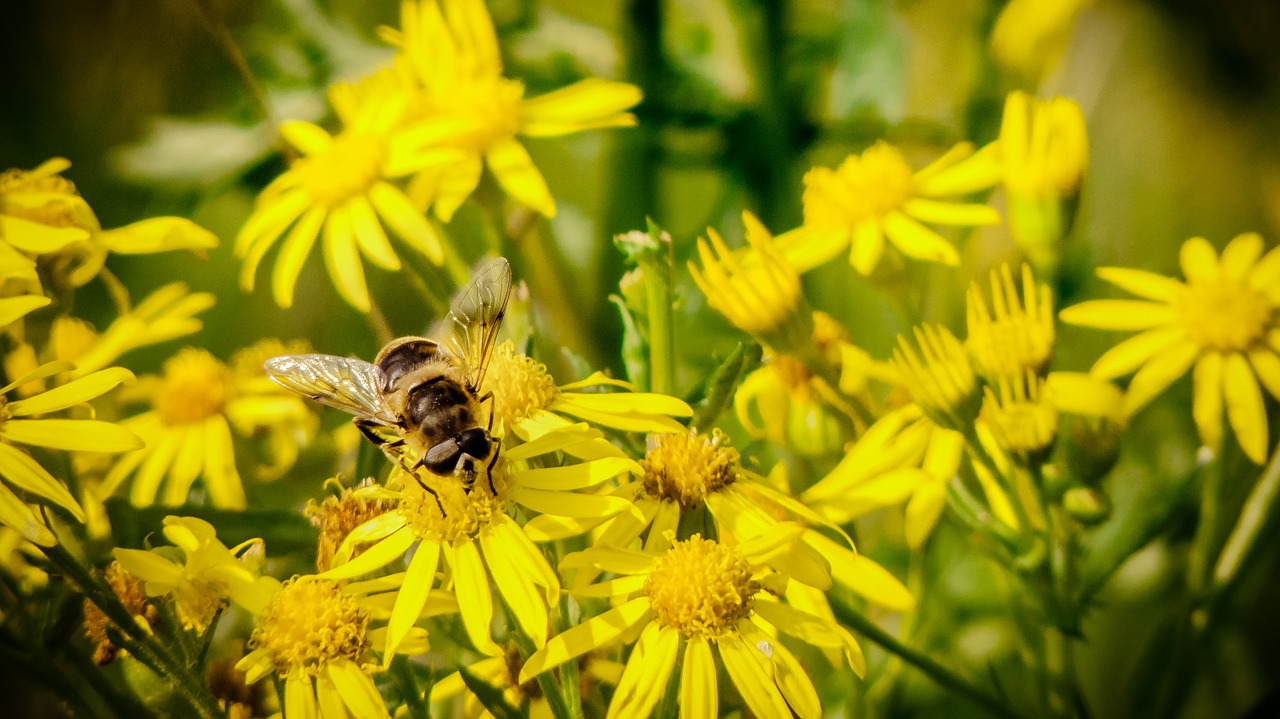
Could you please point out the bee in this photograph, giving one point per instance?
(419, 398)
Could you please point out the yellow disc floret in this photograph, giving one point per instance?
(520, 385)
(864, 187)
(686, 467)
(1221, 313)
(701, 588)
(464, 513)
(309, 623)
(348, 168)
(195, 386)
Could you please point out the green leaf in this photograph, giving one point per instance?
(490, 697)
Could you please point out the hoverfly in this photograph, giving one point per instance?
(419, 398)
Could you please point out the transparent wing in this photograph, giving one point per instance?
(476, 316)
(344, 383)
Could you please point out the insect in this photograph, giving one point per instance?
(419, 398)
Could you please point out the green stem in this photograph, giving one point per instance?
(227, 45)
(1202, 550)
(402, 673)
(943, 676)
(1259, 510)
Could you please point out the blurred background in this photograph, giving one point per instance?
(150, 102)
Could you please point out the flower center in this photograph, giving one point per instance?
(54, 213)
(351, 166)
(1224, 315)
(520, 385)
(309, 623)
(335, 517)
(864, 187)
(196, 386)
(701, 588)
(465, 513)
(685, 468)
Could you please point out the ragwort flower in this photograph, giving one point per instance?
(875, 196)
(1221, 323)
(698, 600)
(1015, 335)
(460, 99)
(471, 534)
(21, 422)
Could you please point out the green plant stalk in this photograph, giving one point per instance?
(1259, 509)
(1202, 550)
(662, 367)
(551, 688)
(943, 676)
(402, 673)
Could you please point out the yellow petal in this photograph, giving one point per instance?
(795, 684)
(1136, 351)
(577, 476)
(300, 697)
(157, 234)
(373, 240)
(342, 259)
(566, 504)
(586, 104)
(37, 239)
(1198, 259)
(1119, 314)
(221, 480)
(378, 556)
(1158, 374)
(1245, 409)
(866, 245)
(609, 559)
(1206, 405)
(89, 435)
(520, 595)
(293, 253)
(1240, 254)
(922, 512)
(310, 139)
(625, 402)
(755, 685)
(1267, 366)
(805, 248)
(863, 575)
(1084, 394)
(14, 308)
(1147, 285)
(699, 695)
(471, 584)
(937, 212)
(72, 393)
(597, 632)
(357, 690)
(645, 679)
(915, 240)
(408, 223)
(412, 597)
(515, 171)
(15, 514)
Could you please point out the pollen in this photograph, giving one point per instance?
(864, 187)
(521, 386)
(701, 588)
(335, 517)
(685, 468)
(1013, 335)
(465, 513)
(349, 168)
(129, 590)
(1224, 314)
(309, 623)
(939, 377)
(1021, 418)
(195, 386)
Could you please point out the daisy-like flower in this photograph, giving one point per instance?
(875, 196)
(340, 191)
(199, 572)
(1221, 323)
(1015, 335)
(697, 601)
(528, 403)
(757, 291)
(42, 215)
(460, 99)
(471, 536)
(1044, 153)
(22, 423)
(1020, 414)
(939, 377)
(314, 634)
(194, 405)
(337, 516)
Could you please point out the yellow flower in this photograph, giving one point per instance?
(41, 214)
(939, 378)
(199, 571)
(314, 634)
(339, 190)
(757, 291)
(875, 195)
(1044, 152)
(460, 99)
(337, 516)
(129, 590)
(1015, 335)
(15, 308)
(783, 402)
(1031, 35)
(1022, 418)
(698, 600)
(473, 535)
(21, 423)
(1222, 321)
(527, 402)
(188, 430)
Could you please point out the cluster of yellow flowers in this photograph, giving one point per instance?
(617, 536)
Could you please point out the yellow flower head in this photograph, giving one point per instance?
(1221, 323)
(129, 590)
(194, 387)
(199, 572)
(875, 195)
(521, 387)
(757, 291)
(684, 468)
(783, 402)
(337, 516)
(698, 601)
(1030, 35)
(939, 376)
(1021, 417)
(459, 99)
(315, 636)
(1014, 335)
(41, 211)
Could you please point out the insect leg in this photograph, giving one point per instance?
(497, 450)
(413, 472)
(488, 397)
